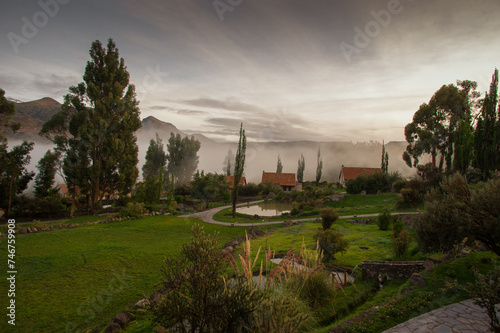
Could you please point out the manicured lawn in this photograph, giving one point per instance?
(78, 279)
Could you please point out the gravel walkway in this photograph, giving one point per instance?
(463, 317)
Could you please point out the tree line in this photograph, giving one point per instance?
(458, 129)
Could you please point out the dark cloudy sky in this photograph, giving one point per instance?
(288, 69)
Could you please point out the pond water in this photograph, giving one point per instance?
(265, 209)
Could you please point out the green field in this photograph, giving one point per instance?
(78, 279)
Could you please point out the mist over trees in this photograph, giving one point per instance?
(300, 169)
(227, 165)
(96, 125)
(182, 157)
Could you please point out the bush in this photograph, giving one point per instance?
(397, 227)
(413, 193)
(328, 217)
(486, 291)
(372, 183)
(133, 209)
(399, 184)
(179, 198)
(268, 187)
(197, 294)
(330, 242)
(401, 245)
(281, 311)
(249, 190)
(384, 220)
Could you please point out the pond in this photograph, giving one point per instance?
(265, 209)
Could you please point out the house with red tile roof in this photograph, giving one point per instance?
(347, 173)
(287, 181)
(230, 180)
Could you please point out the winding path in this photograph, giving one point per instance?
(208, 217)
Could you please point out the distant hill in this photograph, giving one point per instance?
(152, 125)
(32, 115)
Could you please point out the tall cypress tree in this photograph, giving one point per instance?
(96, 127)
(384, 166)
(300, 169)
(239, 166)
(279, 166)
(485, 137)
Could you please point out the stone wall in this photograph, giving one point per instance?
(393, 269)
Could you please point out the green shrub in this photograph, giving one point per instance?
(399, 184)
(249, 190)
(384, 220)
(330, 242)
(397, 227)
(486, 291)
(197, 294)
(328, 217)
(372, 183)
(133, 209)
(179, 198)
(401, 245)
(413, 193)
(281, 311)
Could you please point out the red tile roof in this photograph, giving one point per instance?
(230, 180)
(354, 172)
(282, 179)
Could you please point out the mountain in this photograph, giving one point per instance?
(32, 115)
(152, 125)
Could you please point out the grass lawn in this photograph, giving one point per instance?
(367, 242)
(78, 279)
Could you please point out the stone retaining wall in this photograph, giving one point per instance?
(393, 269)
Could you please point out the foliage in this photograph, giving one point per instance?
(249, 190)
(153, 171)
(384, 220)
(454, 212)
(486, 292)
(133, 209)
(319, 167)
(331, 241)
(384, 166)
(48, 207)
(430, 175)
(328, 217)
(487, 134)
(464, 146)
(433, 128)
(227, 166)
(209, 187)
(44, 180)
(279, 165)
(412, 193)
(239, 165)
(397, 227)
(401, 243)
(149, 191)
(300, 169)
(7, 110)
(198, 298)
(95, 127)
(282, 312)
(399, 184)
(372, 183)
(14, 177)
(182, 157)
(269, 187)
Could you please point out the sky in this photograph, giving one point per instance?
(288, 70)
